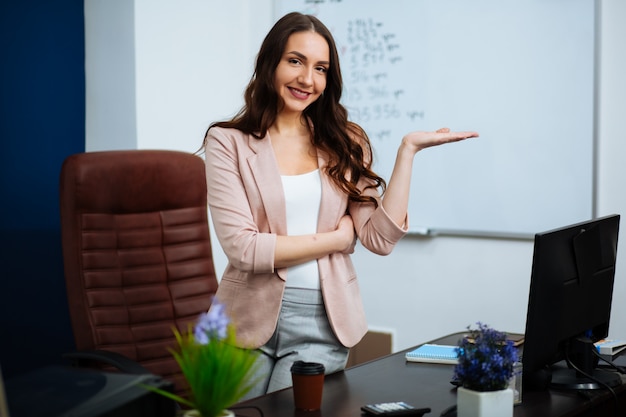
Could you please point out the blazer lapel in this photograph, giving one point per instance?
(264, 169)
(334, 203)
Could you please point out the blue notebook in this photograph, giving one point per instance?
(433, 354)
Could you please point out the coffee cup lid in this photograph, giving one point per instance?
(307, 368)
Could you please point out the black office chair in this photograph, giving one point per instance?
(137, 255)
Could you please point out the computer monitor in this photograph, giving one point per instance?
(569, 305)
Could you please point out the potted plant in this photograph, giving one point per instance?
(216, 370)
(484, 369)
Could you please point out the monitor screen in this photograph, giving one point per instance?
(569, 305)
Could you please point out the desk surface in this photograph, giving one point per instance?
(392, 378)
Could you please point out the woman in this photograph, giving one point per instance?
(290, 188)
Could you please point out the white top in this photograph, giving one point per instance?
(303, 194)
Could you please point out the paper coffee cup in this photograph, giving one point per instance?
(308, 384)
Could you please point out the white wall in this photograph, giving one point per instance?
(191, 62)
(110, 106)
(611, 185)
(159, 71)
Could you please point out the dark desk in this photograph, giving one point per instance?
(391, 378)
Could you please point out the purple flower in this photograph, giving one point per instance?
(212, 324)
(485, 362)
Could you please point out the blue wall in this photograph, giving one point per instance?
(42, 121)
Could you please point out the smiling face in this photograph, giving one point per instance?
(300, 76)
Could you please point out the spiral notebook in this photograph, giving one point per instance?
(432, 353)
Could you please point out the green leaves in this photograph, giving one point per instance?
(218, 372)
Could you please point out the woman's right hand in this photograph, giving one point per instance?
(347, 235)
(295, 250)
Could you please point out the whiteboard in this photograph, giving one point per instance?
(520, 72)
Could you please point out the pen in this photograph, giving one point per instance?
(449, 412)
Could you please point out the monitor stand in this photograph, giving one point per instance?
(567, 379)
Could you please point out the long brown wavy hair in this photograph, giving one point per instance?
(346, 143)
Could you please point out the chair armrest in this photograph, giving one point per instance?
(124, 364)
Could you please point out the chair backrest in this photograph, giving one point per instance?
(137, 252)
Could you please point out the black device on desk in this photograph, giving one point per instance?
(57, 391)
(569, 305)
(394, 409)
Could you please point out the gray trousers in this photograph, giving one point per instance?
(302, 333)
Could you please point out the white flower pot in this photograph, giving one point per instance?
(196, 413)
(471, 403)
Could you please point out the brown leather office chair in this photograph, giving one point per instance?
(137, 252)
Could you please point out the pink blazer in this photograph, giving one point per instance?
(247, 208)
